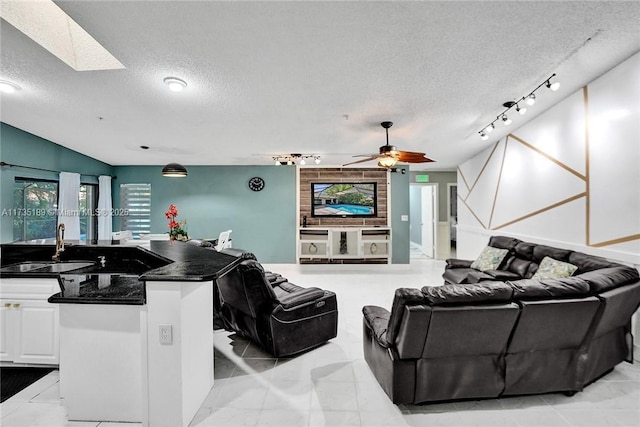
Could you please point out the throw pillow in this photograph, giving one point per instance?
(490, 259)
(553, 269)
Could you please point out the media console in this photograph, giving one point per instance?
(335, 244)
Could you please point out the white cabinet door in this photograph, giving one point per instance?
(36, 332)
(6, 331)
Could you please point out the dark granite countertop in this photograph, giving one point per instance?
(100, 289)
(128, 266)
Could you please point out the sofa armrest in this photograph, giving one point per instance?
(458, 263)
(301, 297)
(377, 319)
(503, 275)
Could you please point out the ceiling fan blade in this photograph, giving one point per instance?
(412, 157)
(361, 161)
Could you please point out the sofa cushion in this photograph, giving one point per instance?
(609, 278)
(551, 268)
(489, 259)
(464, 294)
(457, 275)
(529, 289)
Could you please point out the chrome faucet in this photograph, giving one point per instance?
(59, 242)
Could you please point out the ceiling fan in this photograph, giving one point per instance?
(389, 155)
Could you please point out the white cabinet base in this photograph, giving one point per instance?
(344, 243)
(100, 362)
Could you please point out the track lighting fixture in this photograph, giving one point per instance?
(529, 99)
(290, 159)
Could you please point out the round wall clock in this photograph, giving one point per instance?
(256, 183)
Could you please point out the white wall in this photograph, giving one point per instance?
(568, 178)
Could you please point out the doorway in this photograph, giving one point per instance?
(452, 217)
(423, 204)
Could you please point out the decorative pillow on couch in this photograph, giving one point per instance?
(553, 269)
(490, 259)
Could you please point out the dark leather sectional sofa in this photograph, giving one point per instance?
(501, 333)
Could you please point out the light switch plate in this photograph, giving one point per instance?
(404, 218)
(166, 334)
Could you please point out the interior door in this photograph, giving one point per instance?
(428, 220)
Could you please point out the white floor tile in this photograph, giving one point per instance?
(332, 386)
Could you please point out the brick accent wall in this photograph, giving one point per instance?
(310, 175)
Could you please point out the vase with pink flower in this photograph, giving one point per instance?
(177, 229)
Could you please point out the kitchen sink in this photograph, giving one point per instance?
(46, 267)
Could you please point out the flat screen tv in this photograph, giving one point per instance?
(344, 199)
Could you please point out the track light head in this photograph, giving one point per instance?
(484, 136)
(530, 99)
(553, 86)
(521, 110)
(489, 128)
(506, 120)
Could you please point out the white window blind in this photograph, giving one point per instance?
(135, 202)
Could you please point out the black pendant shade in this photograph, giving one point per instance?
(174, 170)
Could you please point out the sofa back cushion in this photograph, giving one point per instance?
(567, 287)
(467, 293)
(542, 251)
(609, 278)
(521, 261)
(403, 297)
(586, 262)
(503, 242)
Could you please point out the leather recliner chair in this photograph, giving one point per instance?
(281, 317)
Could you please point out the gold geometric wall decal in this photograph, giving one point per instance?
(539, 211)
(583, 177)
(556, 161)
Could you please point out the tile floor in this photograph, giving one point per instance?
(332, 385)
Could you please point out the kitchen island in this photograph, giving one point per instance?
(136, 336)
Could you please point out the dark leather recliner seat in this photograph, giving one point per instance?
(280, 316)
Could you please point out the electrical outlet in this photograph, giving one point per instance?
(166, 334)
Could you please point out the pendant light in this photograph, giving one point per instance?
(174, 170)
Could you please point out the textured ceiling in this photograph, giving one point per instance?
(268, 78)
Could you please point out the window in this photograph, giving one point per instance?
(88, 203)
(35, 203)
(34, 213)
(135, 200)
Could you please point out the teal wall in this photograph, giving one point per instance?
(211, 199)
(399, 206)
(217, 198)
(25, 149)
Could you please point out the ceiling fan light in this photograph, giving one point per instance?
(174, 170)
(387, 162)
